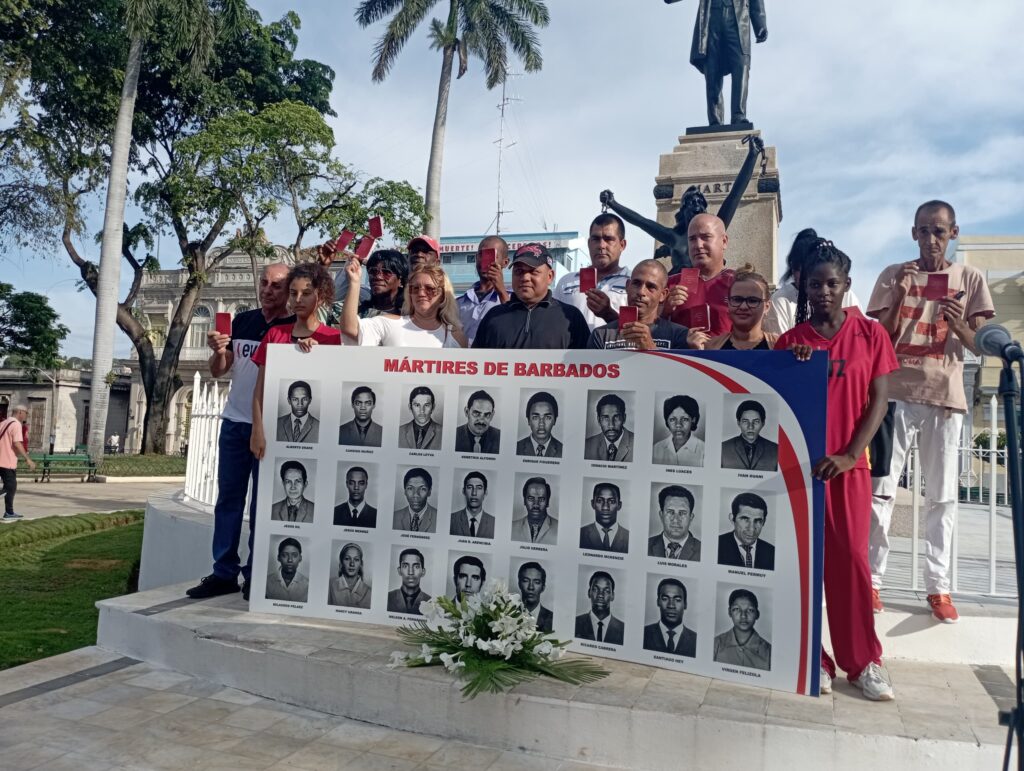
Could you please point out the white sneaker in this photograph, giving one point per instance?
(825, 682)
(873, 684)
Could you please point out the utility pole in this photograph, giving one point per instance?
(500, 142)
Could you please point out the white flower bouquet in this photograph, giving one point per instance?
(490, 640)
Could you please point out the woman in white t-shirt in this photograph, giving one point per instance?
(781, 315)
(430, 316)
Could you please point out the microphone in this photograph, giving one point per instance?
(995, 340)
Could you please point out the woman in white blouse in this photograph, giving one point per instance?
(430, 315)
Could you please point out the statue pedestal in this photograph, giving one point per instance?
(711, 161)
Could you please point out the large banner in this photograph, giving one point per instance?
(652, 507)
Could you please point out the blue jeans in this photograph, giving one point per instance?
(236, 466)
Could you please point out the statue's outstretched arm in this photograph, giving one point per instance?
(654, 229)
(732, 201)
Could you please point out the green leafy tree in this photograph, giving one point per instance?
(30, 329)
(487, 29)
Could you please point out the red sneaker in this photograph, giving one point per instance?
(942, 608)
(876, 601)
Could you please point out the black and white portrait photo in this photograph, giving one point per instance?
(751, 423)
(608, 437)
(479, 434)
(350, 584)
(678, 431)
(425, 415)
(416, 492)
(534, 510)
(468, 574)
(743, 626)
(354, 495)
(674, 522)
(297, 422)
(409, 569)
(287, 576)
(530, 579)
(596, 607)
(293, 491)
(747, 525)
(359, 429)
(668, 627)
(469, 494)
(540, 416)
(603, 522)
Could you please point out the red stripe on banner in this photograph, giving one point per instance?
(793, 476)
(789, 465)
(719, 377)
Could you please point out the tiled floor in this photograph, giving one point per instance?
(139, 717)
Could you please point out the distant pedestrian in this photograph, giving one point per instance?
(11, 446)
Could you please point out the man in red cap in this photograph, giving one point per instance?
(423, 250)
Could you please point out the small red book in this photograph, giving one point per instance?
(588, 279)
(223, 324)
(627, 315)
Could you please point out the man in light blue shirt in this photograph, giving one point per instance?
(489, 291)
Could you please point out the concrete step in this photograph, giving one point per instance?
(639, 717)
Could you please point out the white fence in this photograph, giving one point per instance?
(203, 434)
(982, 560)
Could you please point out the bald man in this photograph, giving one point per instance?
(645, 291)
(707, 242)
(489, 290)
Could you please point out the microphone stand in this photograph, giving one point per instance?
(1009, 392)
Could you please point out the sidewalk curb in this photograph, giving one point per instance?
(129, 480)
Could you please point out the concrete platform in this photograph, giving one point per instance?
(945, 715)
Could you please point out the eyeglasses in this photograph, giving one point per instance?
(383, 272)
(735, 301)
(429, 291)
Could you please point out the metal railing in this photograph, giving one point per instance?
(982, 561)
(203, 434)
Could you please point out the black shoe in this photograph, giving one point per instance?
(212, 586)
(245, 590)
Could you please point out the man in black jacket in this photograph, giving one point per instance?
(669, 634)
(742, 546)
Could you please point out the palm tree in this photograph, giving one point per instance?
(484, 28)
(197, 25)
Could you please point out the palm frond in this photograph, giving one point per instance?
(519, 34)
(534, 11)
(139, 16)
(371, 11)
(400, 29)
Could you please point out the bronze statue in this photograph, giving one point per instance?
(692, 204)
(721, 46)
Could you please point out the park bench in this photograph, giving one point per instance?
(79, 465)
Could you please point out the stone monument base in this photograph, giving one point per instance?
(710, 160)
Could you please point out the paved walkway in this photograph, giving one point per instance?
(63, 498)
(90, 710)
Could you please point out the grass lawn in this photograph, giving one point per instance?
(52, 572)
(143, 466)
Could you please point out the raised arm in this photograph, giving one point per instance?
(350, 313)
(257, 440)
(222, 357)
(650, 227)
(732, 202)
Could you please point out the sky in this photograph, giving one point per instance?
(873, 107)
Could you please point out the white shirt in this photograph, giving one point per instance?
(668, 543)
(604, 629)
(743, 551)
(690, 454)
(614, 285)
(400, 332)
(677, 631)
(355, 509)
(781, 317)
(612, 532)
(472, 309)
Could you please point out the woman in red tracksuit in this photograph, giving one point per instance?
(861, 357)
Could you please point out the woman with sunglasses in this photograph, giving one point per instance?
(747, 304)
(429, 317)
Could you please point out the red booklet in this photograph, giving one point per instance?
(689, 278)
(376, 228)
(223, 323)
(588, 279)
(699, 317)
(487, 258)
(627, 315)
(344, 240)
(937, 286)
(363, 250)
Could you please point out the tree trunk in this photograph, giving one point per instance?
(433, 198)
(109, 281)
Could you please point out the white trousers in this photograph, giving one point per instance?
(937, 430)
